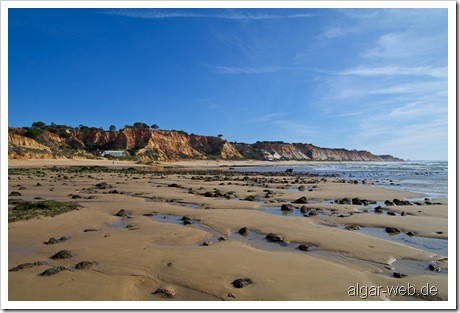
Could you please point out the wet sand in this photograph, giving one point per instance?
(149, 254)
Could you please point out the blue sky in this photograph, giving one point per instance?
(370, 79)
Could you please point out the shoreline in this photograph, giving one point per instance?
(151, 247)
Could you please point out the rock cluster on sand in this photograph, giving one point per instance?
(53, 240)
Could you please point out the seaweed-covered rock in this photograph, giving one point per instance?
(242, 282)
(63, 254)
(26, 265)
(84, 265)
(54, 270)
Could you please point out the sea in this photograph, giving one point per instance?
(425, 177)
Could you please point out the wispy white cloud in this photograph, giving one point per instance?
(247, 70)
(337, 31)
(165, 14)
(439, 72)
(267, 117)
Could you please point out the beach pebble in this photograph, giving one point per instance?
(242, 282)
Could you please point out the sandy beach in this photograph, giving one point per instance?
(198, 230)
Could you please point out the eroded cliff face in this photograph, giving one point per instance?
(147, 144)
(144, 143)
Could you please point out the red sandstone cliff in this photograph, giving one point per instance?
(148, 144)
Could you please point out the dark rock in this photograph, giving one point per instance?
(26, 265)
(63, 254)
(103, 185)
(89, 230)
(287, 207)
(343, 201)
(130, 226)
(52, 241)
(312, 212)
(401, 202)
(403, 213)
(114, 191)
(174, 185)
(378, 209)
(222, 239)
(243, 231)
(84, 265)
(15, 194)
(165, 292)
(242, 282)
(434, 267)
(122, 213)
(251, 198)
(302, 188)
(391, 213)
(305, 247)
(54, 270)
(208, 194)
(187, 222)
(356, 201)
(388, 203)
(410, 233)
(274, 237)
(206, 243)
(303, 209)
(392, 230)
(301, 200)
(439, 232)
(399, 275)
